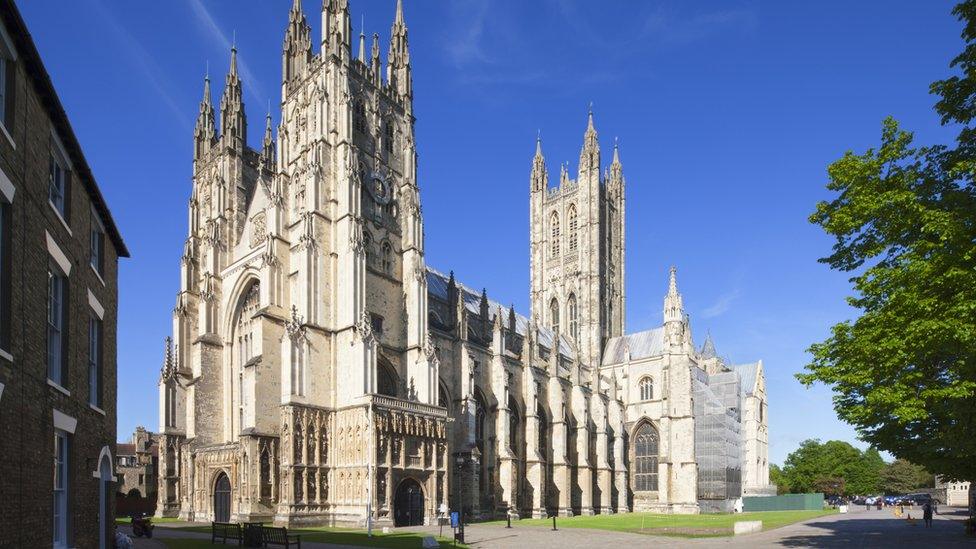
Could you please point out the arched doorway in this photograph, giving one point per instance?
(105, 477)
(408, 504)
(221, 501)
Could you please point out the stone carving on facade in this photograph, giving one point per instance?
(295, 326)
(259, 228)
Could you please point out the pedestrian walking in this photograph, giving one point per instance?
(927, 514)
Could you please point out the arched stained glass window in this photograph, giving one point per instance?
(645, 459)
(573, 225)
(573, 313)
(554, 315)
(646, 386)
(554, 235)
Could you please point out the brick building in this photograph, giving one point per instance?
(59, 249)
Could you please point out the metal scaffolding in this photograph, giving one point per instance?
(718, 439)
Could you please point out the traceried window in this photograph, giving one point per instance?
(513, 426)
(554, 315)
(573, 313)
(543, 433)
(646, 386)
(359, 117)
(554, 235)
(244, 335)
(645, 459)
(368, 248)
(573, 226)
(388, 135)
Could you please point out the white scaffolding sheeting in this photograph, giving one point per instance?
(718, 439)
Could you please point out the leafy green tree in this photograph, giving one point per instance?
(904, 220)
(814, 463)
(903, 477)
(829, 486)
(777, 477)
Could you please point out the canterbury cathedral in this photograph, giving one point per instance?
(320, 372)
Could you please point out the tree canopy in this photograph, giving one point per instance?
(904, 222)
(902, 477)
(833, 467)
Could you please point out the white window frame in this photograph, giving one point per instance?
(97, 261)
(9, 55)
(56, 376)
(58, 153)
(60, 491)
(96, 353)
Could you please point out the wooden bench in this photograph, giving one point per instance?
(279, 536)
(225, 531)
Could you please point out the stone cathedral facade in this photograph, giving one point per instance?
(320, 371)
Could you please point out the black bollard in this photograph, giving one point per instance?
(509, 525)
(554, 523)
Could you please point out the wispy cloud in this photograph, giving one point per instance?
(144, 62)
(466, 44)
(723, 304)
(206, 20)
(673, 29)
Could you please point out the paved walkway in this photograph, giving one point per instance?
(859, 529)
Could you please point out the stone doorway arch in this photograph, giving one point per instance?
(221, 498)
(408, 504)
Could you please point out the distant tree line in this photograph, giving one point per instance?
(836, 468)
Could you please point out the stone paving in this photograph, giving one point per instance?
(856, 530)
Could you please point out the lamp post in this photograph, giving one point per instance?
(459, 463)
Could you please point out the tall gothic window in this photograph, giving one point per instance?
(543, 433)
(387, 258)
(554, 315)
(513, 426)
(573, 224)
(244, 340)
(266, 480)
(573, 313)
(554, 230)
(171, 404)
(368, 249)
(646, 386)
(645, 459)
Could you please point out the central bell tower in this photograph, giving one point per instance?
(577, 249)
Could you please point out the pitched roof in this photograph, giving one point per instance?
(639, 344)
(708, 348)
(48, 95)
(437, 283)
(125, 449)
(748, 373)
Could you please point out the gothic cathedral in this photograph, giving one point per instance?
(319, 372)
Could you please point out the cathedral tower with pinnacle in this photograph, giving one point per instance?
(320, 372)
(577, 248)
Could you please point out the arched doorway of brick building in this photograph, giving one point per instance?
(221, 500)
(408, 504)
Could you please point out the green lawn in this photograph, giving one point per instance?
(342, 536)
(679, 525)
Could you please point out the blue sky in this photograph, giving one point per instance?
(727, 112)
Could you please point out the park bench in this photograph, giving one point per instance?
(279, 536)
(225, 531)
